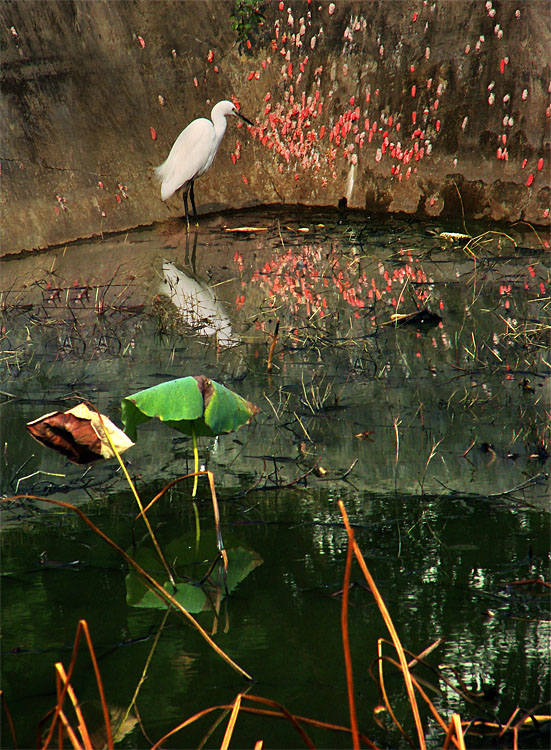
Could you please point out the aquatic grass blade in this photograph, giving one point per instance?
(384, 693)
(65, 724)
(281, 712)
(425, 697)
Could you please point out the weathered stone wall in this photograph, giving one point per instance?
(432, 107)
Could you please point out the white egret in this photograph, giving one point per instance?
(193, 153)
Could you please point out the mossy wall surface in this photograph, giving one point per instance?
(431, 107)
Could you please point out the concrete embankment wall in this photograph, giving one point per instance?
(433, 108)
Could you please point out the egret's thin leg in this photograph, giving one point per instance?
(192, 196)
(184, 196)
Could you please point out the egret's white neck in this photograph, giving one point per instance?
(219, 121)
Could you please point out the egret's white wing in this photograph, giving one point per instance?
(188, 156)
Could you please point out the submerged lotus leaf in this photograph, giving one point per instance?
(190, 404)
(192, 595)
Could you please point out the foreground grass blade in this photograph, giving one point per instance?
(390, 626)
(148, 579)
(425, 697)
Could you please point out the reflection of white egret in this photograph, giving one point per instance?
(197, 304)
(193, 152)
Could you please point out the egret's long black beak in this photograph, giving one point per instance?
(242, 117)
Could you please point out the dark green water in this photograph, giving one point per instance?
(448, 494)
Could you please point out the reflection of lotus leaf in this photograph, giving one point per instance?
(192, 595)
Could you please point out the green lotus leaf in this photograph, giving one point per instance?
(190, 405)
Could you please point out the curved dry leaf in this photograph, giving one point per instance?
(79, 434)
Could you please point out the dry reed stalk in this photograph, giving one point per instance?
(390, 626)
(425, 652)
(280, 713)
(9, 719)
(454, 733)
(61, 677)
(231, 722)
(70, 733)
(425, 697)
(380, 659)
(82, 627)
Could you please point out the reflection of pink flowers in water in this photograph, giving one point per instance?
(302, 278)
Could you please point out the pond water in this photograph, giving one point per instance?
(409, 379)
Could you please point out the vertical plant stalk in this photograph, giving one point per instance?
(195, 468)
(346, 647)
(216, 511)
(390, 627)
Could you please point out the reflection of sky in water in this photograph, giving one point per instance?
(196, 303)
